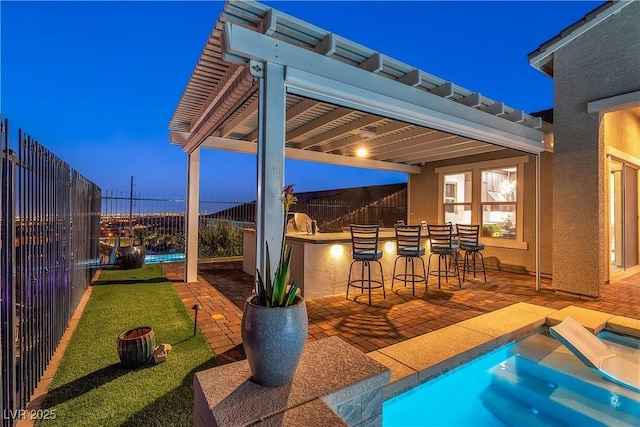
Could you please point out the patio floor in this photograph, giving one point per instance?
(223, 287)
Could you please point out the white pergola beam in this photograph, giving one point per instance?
(473, 100)
(356, 88)
(391, 127)
(339, 131)
(445, 90)
(268, 23)
(327, 46)
(236, 91)
(412, 78)
(311, 126)
(251, 109)
(515, 116)
(372, 64)
(407, 148)
(301, 108)
(487, 148)
(451, 142)
(342, 145)
(496, 109)
(215, 94)
(246, 147)
(178, 138)
(533, 122)
(395, 138)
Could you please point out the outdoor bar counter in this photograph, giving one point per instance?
(322, 260)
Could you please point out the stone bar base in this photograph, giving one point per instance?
(335, 384)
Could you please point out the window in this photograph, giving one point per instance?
(498, 201)
(487, 193)
(457, 198)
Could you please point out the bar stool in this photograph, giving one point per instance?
(364, 241)
(468, 240)
(442, 243)
(409, 247)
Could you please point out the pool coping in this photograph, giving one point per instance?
(417, 360)
(336, 383)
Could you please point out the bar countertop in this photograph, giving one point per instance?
(333, 238)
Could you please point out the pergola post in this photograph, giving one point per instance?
(191, 225)
(270, 165)
(538, 285)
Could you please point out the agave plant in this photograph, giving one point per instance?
(277, 291)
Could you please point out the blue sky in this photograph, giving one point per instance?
(97, 82)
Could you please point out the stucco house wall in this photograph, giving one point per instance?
(622, 130)
(601, 63)
(423, 204)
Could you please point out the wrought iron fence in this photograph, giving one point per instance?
(50, 231)
(158, 222)
(385, 212)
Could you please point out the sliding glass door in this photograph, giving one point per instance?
(623, 231)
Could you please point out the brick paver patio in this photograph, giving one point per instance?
(223, 287)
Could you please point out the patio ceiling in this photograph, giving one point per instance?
(219, 107)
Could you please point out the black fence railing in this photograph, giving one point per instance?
(384, 212)
(158, 223)
(50, 233)
(333, 214)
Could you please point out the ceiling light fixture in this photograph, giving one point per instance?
(362, 152)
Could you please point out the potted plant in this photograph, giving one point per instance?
(132, 256)
(274, 320)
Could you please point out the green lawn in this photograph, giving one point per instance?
(92, 389)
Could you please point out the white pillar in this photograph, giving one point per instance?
(191, 220)
(538, 286)
(271, 144)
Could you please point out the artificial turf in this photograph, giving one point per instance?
(91, 388)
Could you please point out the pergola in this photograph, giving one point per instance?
(270, 84)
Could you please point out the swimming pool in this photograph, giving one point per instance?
(534, 381)
(167, 257)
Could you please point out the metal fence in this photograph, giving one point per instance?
(158, 223)
(385, 212)
(332, 215)
(50, 233)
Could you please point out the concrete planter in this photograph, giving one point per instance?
(273, 339)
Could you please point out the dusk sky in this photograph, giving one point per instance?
(97, 82)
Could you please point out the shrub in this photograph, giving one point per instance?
(219, 239)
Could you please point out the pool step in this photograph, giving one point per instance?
(550, 394)
(515, 413)
(591, 387)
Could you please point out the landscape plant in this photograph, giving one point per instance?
(276, 291)
(219, 239)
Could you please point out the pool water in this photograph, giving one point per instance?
(168, 257)
(532, 382)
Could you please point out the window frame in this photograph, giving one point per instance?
(476, 169)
